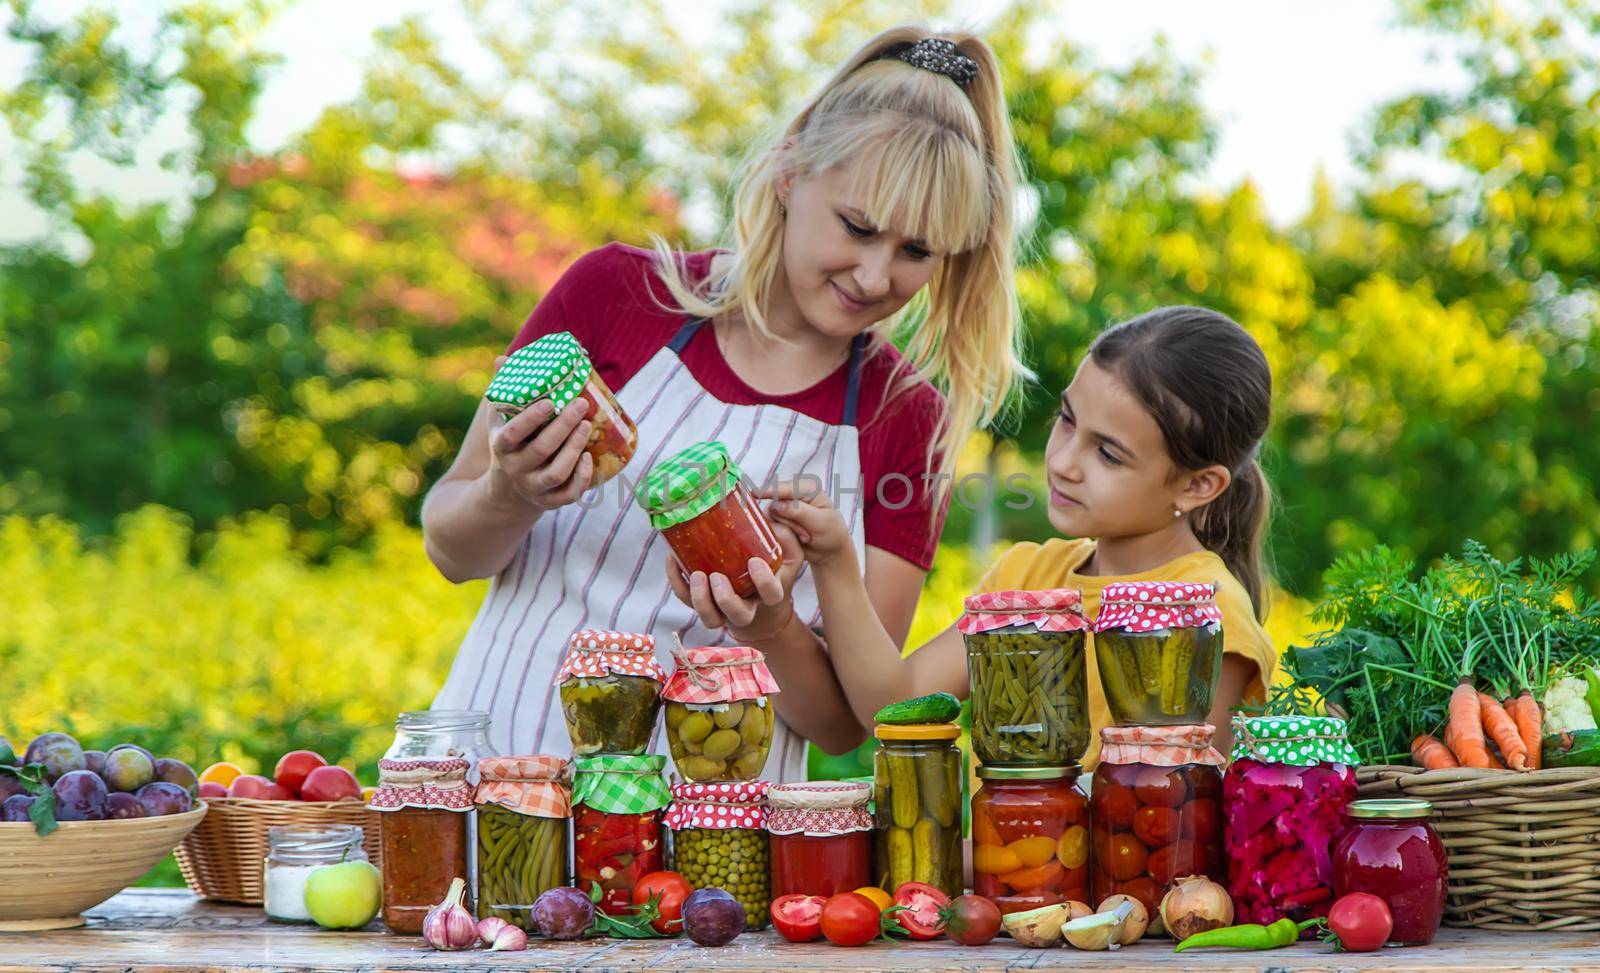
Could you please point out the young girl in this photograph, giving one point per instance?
(895, 181)
(1153, 476)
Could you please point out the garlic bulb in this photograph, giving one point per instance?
(449, 925)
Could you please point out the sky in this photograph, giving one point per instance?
(1289, 82)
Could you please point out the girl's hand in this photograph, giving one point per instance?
(537, 468)
(753, 620)
(820, 528)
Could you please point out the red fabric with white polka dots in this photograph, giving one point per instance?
(1148, 606)
(592, 653)
(733, 804)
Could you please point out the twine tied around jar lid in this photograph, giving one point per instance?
(693, 680)
(1300, 741)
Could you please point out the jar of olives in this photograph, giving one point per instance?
(719, 840)
(618, 801)
(610, 691)
(1030, 692)
(523, 806)
(698, 502)
(719, 719)
(1158, 648)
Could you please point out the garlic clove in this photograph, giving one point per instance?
(509, 939)
(490, 927)
(449, 925)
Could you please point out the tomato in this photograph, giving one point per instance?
(851, 919)
(293, 768)
(1126, 858)
(1161, 786)
(920, 908)
(1114, 804)
(330, 784)
(798, 918)
(1039, 878)
(258, 788)
(1361, 921)
(1198, 821)
(876, 896)
(971, 920)
(673, 889)
(1145, 890)
(1176, 860)
(1156, 826)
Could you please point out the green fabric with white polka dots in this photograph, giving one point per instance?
(554, 367)
(1298, 741)
(681, 488)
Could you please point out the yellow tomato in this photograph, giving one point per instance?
(1073, 848)
(996, 859)
(1034, 851)
(879, 897)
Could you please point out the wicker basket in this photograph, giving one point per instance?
(1524, 847)
(222, 858)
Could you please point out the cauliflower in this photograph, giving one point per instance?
(1565, 708)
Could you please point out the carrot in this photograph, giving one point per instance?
(1463, 732)
(1430, 753)
(1495, 763)
(1503, 729)
(1525, 713)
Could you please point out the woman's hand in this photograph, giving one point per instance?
(540, 469)
(758, 618)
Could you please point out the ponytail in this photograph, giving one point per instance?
(1234, 526)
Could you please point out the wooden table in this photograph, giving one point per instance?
(170, 931)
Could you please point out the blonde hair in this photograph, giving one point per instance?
(929, 159)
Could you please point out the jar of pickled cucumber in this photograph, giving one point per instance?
(618, 801)
(1030, 692)
(719, 717)
(426, 806)
(698, 502)
(523, 806)
(555, 367)
(719, 840)
(1158, 649)
(610, 691)
(917, 794)
(821, 837)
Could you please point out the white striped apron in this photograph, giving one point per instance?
(602, 565)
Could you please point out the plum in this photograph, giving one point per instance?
(712, 917)
(80, 796)
(124, 805)
(164, 797)
(94, 761)
(562, 913)
(59, 753)
(10, 785)
(175, 771)
(15, 807)
(127, 768)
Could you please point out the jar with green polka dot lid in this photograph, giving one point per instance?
(697, 499)
(557, 370)
(1284, 800)
(719, 840)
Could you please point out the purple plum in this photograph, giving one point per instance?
(127, 768)
(177, 772)
(80, 796)
(59, 753)
(94, 761)
(562, 913)
(10, 785)
(15, 807)
(121, 805)
(712, 917)
(162, 797)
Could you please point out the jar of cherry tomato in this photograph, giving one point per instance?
(423, 833)
(1156, 807)
(555, 367)
(618, 803)
(1284, 801)
(698, 502)
(1158, 651)
(821, 838)
(1030, 837)
(1390, 850)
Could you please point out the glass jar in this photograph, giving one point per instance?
(1156, 807)
(719, 719)
(1390, 850)
(1030, 697)
(610, 691)
(293, 853)
(719, 840)
(425, 804)
(442, 733)
(821, 837)
(698, 502)
(556, 367)
(1158, 649)
(617, 808)
(1030, 837)
(523, 805)
(1284, 800)
(917, 795)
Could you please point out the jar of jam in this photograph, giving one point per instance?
(523, 806)
(719, 719)
(699, 503)
(1158, 649)
(425, 804)
(917, 794)
(610, 691)
(1284, 800)
(1030, 837)
(556, 367)
(719, 840)
(1030, 694)
(618, 803)
(1390, 850)
(821, 837)
(1156, 806)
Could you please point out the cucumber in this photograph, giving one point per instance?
(1580, 748)
(937, 708)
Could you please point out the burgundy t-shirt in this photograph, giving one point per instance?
(609, 299)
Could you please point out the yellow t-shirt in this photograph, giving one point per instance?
(1054, 564)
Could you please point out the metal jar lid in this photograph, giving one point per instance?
(1399, 808)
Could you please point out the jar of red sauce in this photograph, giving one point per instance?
(1030, 837)
(426, 805)
(618, 803)
(696, 499)
(821, 837)
(1390, 850)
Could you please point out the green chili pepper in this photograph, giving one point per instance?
(1284, 932)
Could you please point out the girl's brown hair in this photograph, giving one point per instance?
(1207, 384)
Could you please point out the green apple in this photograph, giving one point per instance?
(344, 896)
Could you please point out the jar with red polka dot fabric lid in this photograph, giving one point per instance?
(1158, 648)
(610, 691)
(719, 840)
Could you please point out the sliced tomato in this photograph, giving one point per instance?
(798, 918)
(919, 911)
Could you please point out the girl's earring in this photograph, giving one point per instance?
(1176, 513)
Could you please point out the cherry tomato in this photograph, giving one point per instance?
(1127, 857)
(1362, 922)
(1156, 826)
(851, 919)
(1115, 805)
(1175, 861)
(1145, 890)
(673, 889)
(1039, 878)
(798, 918)
(971, 920)
(876, 896)
(1161, 786)
(1199, 821)
(921, 906)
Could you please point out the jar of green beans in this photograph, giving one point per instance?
(1026, 661)
(523, 806)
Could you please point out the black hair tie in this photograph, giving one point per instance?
(941, 57)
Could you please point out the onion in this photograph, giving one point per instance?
(1195, 904)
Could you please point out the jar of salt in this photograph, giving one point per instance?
(293, 853)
